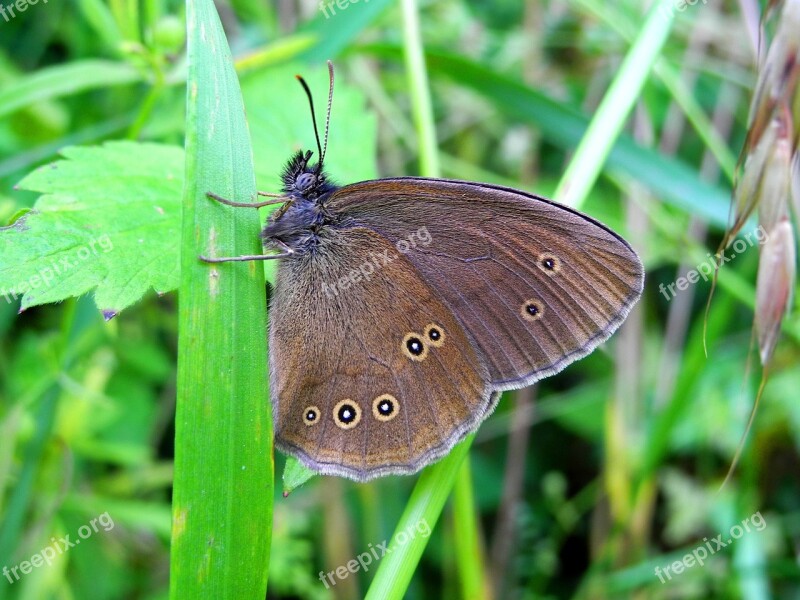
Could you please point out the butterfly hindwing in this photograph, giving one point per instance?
(353, 392)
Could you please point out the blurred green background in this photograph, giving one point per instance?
(583, 487)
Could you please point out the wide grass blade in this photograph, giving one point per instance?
(223, 490)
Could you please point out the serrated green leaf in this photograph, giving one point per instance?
(108, 220)
(110, 215)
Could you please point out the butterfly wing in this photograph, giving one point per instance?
(371, 372)
(535, 284)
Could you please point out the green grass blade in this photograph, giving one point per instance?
(615, 20)
(223, 490)
(64, 80)
(471, 572)
(423, 508)
(422, 108)
(613, 112)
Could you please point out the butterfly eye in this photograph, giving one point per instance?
(414, 347)
(531, 310)
(305, 181)
(385, 407)
(346, 414)
(435, 334)
(311, 415)
(549, 263)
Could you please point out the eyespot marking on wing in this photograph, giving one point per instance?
(311, 415)
(549, 263)
(385, 407)
(346, 414)
(532, 310)
(434, 334)
(414, 347)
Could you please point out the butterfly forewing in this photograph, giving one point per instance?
(536, 285)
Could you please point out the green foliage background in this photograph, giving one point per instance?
(612, 470)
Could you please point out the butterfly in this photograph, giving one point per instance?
(403, 307)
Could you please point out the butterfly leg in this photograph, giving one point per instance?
(278, 199)
(286, 251)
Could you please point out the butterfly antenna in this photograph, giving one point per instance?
(328, 115)
(313, 117)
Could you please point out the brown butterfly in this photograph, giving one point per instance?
(403, 307)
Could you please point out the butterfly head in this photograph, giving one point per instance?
(299, 221)
(302, 180)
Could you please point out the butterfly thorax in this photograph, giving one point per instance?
(298, 222)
